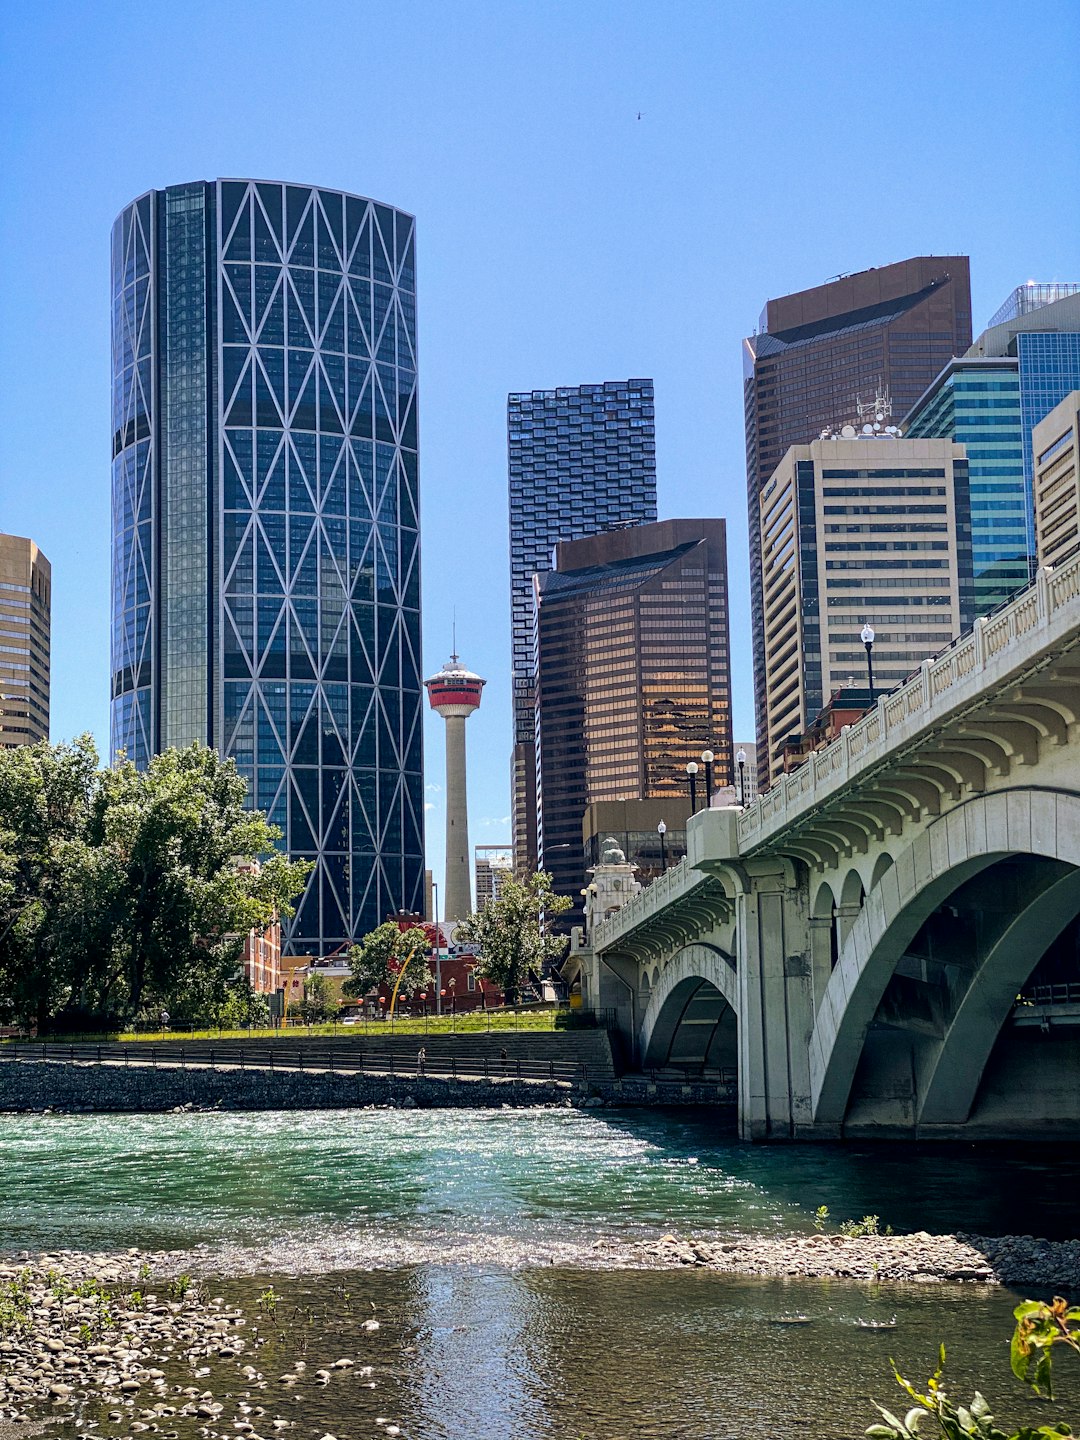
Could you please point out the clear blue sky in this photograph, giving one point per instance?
(561, 239)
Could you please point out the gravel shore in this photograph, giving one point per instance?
(1019, 1261)
(125, 1341)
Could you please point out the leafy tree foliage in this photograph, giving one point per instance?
(319, 1003)
(511, 932)
(241, 1007)
(1040, 1328)
(119, 889)
(386, 954)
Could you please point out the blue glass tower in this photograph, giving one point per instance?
(977, 403)
(582, 459)
(990, 401)
(266, 588)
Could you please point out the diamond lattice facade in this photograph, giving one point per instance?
(266, 586)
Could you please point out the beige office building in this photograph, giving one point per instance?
(25, 607)
(859, 529)
(1056, 445)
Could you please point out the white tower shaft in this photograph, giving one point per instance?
(458, 881)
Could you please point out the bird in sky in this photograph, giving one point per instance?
(640, 114)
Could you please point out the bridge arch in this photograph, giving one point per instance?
(690, 1020)
(852, 892)
(1032, 836)
(883, 863)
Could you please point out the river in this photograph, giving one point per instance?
(468, 1234)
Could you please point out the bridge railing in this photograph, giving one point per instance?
(869, 739)
(663, 889)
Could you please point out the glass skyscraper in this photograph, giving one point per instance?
(266, 588)
(991, 400)
(977, 403)
(633, 681)
(582, 459)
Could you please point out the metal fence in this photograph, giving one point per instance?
(352, 1060)
(1065, 993)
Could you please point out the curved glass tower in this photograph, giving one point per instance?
(266, 582)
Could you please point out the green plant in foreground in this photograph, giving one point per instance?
(821, 1217)
(1039, 1328)
(267, 1301)
(179, 1287)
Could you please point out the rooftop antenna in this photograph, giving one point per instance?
(453, 652)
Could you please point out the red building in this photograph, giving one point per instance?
(262, 959)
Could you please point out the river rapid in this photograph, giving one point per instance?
(505, 1256)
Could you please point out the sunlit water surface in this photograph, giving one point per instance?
(474, 1348)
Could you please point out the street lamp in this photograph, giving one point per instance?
(691, 771)
(740, 760)
(867, 637)
(708, 757)
(661, 830)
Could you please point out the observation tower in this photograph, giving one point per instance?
(454, 694)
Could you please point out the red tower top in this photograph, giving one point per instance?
(454, 690)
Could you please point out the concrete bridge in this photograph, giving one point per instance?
(887, 943)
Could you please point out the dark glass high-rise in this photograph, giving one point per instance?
(581, 459)
(266, 588)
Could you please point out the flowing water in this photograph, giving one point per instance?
(470, 1233)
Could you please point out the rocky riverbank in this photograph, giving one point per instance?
(85, 1343)
(133, 1342)
(1019, 1261)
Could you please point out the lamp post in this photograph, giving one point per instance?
(661, 830)
(691, 771)
(740, 760)
(867, 637)
(708, 757)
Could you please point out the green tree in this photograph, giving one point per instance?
(240, 1007)
(119, 889)
(385, 955)
(319, 1004)
(512, 933)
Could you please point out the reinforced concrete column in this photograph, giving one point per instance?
(458, 886)
(846, 915)
(821, 953)
(776, 1009)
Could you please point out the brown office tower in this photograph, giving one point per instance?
(633, 681)
(889, 330)
(25, 607)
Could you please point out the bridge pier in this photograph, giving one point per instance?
(776, 1003)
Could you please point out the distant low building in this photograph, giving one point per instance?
(494, 865)
(262, 948)
(25, 609)
(635, 826)
(262, 959)
(845, 706)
